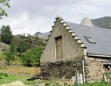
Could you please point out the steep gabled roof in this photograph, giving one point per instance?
(97, 40)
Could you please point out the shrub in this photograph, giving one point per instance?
(9, 57)
(3, 75)
(30, 57)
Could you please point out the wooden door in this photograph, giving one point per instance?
(58, 47)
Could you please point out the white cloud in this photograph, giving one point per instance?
(92, 8)
(85, 9)
(27, 16)
(96, 2)
(23, 24)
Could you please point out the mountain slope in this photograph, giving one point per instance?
(104, 22)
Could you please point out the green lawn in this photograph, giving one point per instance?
(95, 84)
(11, 79)
(21, 73)
(1, 56)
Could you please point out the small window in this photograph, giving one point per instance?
(90, 39)
(107, 67)
(58, 41)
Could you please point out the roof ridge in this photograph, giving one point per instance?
(88, 26)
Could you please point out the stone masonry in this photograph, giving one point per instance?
(94, 69)
(73, 51)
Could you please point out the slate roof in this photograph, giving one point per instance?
(97, 40)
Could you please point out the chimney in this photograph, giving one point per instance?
(86, 22)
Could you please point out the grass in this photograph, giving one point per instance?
(18, 73)
(52, 81)
(1, 56)
(21, 73)
(11, 79)
(94, 84)
(18, 70)
(31, 83)
(108, 75)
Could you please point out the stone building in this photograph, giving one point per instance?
(69, 44)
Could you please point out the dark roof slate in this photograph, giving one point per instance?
(97, 40)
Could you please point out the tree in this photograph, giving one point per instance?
(22, 46)
(31, 57)
(13, 47)
(3, 4)
(9, 57)
(6, 34)
(29, 41)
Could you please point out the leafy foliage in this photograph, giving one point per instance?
(6, 34)
(29, 41)
(12, 47)
(32, 56)
(3, 75)
(22, 47)
(3, 4)
(9, 57)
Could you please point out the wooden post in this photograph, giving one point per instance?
(83, 71)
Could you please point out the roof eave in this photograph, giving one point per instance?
(98, 55)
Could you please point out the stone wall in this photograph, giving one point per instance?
(71, 49)
(94, 69)
(72, 52)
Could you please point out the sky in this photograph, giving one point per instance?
(31, 16)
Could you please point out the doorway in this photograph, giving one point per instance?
(58, 41)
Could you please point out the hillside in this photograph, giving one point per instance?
(41, 35)
(104, 22)
(30, 41)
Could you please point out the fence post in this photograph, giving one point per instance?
(83, 70)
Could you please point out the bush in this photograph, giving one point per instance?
(9, 57)
(31, 57)
(3, 75)
(22, 47)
